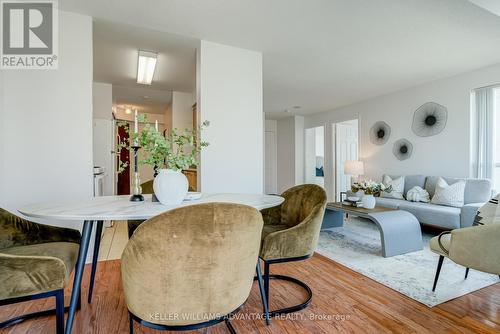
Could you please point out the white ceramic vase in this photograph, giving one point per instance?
(170, 186)
(368, 201)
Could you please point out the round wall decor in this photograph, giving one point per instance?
(380, 133)
(402, 149)
(429, 119)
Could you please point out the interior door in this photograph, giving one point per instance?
(123, 180)
(346, 148)
(270, 163)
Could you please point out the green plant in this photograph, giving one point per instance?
(370, 187)
(177, 150)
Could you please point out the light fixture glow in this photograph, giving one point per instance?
(146, 65)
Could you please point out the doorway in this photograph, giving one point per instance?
(346, 148)
(123, 179)
(314, 145)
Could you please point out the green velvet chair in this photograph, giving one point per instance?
(35, 262)
(291, 233)
(192, 267)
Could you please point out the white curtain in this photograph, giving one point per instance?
(484, 115)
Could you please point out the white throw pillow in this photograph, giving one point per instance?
(417, 194)
(449, 194)
(398, 187)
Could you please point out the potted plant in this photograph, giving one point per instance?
(369, 188)
(168, 154)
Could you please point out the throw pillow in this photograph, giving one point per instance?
(398, 187)
(417, 194)
(449, 194)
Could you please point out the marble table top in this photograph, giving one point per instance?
(121, 208)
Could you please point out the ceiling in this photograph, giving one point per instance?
(116, 48)
(323, 54)
(144, 99)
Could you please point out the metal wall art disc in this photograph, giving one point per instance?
(380, 133)
(429, 119)
(402, 149)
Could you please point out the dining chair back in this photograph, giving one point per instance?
(191, 267)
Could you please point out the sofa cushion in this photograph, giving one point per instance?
(397, 185)
(411, 181)
(449, 194)
(431, 214)
(476, 190)
(391, 203)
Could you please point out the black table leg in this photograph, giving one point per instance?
(82, 256)
(97, 244)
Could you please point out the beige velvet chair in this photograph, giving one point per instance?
(475, 247)
(35, 262)
(191, 267)
(291, 233)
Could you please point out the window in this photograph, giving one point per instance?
(496, 139)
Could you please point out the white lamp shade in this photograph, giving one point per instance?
(354, 167)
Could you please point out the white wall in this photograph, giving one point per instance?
(270, 157)
(229, 86)
(102, 100)
(446, 154)
(46, 136)
(290, 154)
(103, 133)
(182, 110)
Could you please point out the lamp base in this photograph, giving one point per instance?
(137, 198)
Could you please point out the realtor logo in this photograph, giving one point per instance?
(29, 34)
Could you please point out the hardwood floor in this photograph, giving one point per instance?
(344, 302)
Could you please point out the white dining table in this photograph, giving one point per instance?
(98, 209)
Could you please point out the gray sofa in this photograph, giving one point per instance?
(477, 192)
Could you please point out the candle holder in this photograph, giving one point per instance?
(136, 189)
(153, 197)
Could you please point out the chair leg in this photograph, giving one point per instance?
(466, 272)
(440, 264)
(60, 312)
(131, 324)
(268, 277)
(266, 281)
(263, 295)
(97, 244)
(230, 326)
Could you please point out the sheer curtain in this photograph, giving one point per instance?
(484, 116)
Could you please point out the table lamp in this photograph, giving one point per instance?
(354, 168)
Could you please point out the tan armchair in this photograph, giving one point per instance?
(35, 262)
(291, 233)
(473, 247)
(191, 267)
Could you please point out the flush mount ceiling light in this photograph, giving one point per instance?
(146, 65)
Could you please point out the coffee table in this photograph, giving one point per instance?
(400, 231)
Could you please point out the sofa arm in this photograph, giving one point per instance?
(468, 213)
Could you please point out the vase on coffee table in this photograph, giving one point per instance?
(368, 201)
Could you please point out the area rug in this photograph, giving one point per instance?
(357, 246)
